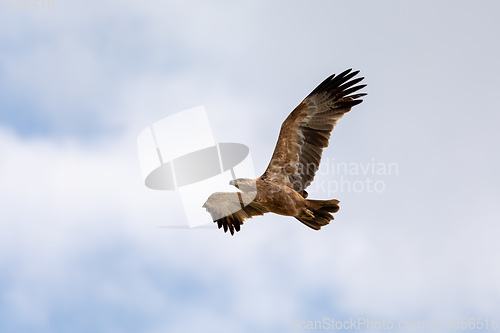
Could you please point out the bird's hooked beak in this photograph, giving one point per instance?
(234, 183)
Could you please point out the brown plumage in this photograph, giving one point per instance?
(303, 136)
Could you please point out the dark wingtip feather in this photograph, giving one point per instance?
(357, 95)
(347, 71)
(338, 83)
(328, 81)
(349, 91)
(350, 104)
(347, 84)
(340, 79)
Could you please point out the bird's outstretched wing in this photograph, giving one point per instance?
(306, 131)
(230, 209)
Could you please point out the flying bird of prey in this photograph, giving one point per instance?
(303, 136)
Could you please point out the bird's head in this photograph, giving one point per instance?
(244, 184)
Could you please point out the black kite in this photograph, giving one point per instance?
(296, 158)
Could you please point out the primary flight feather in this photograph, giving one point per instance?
(303, 136)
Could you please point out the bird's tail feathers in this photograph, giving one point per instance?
(321, 213)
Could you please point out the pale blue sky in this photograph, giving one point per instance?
(80, 247)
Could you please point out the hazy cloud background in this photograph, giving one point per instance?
(80, 245)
